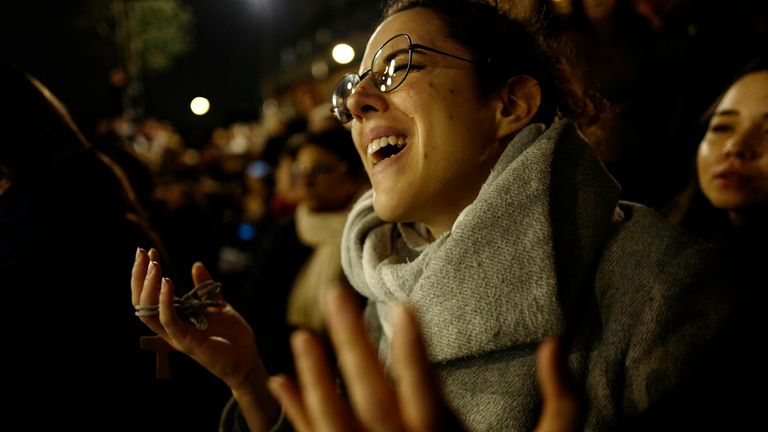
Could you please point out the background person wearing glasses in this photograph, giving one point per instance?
(301, 256)
(491, 218)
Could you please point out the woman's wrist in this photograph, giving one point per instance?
(259, 408)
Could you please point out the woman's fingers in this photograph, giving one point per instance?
(176, 329)
(150, 294)
(561, 407)
(200, 274)
(369, 389)
(418, 390)
(153, 290)
(289, 397)
(154, 255)
(138, 274)
(317, 405)
(415, 383)
(325, 408)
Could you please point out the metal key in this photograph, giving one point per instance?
(191, 305)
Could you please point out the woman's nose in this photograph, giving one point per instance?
(744, 145)
(366, 99)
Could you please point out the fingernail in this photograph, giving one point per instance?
(139, 250)
(275, 384)
(299, 340)
(165, 285)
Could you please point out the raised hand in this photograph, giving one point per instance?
(226, 346)
(410, 401)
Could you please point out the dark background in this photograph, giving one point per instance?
(241, 50)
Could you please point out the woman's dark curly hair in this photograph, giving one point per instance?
(505, 47)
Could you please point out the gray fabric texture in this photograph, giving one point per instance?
(546, 248)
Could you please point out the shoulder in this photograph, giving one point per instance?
(648, 259)
(646, 234)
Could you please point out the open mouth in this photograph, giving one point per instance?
(385, 147)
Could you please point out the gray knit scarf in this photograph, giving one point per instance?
(489, 283)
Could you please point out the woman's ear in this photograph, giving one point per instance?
(519, 102)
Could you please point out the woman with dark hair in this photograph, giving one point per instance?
(726, 204)
(729, 192)
(66, 206)
(493, 220)
(300, 257)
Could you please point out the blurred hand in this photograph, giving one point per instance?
(410, 402)
(561, 409)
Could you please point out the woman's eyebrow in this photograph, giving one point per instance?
(726, 112)
(394, 54)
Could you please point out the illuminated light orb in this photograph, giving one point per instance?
(343, 53)
(199, 105)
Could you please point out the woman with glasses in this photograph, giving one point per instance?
(300, 256)
(491, 218)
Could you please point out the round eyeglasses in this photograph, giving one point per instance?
(389, 68)
(305, 170)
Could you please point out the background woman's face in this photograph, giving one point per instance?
(322, 179)
(732, 159)
(438, 114)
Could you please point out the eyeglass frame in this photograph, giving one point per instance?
(356, 79)
(318, 169)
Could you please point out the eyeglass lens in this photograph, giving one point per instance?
(346, 85)
(391, 63)
(389, 68)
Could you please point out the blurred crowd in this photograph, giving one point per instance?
(652, 66)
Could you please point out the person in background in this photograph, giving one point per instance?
(330, 179)
(726, 203)
(300, 257)
(65, 206)
(285, 195)
(728, 195)
(493, 219)
(279, 153)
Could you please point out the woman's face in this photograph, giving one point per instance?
(285, 185)
(322, 180)
(732, 158)
(448, 131)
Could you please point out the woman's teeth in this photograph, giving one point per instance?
(384, 147)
